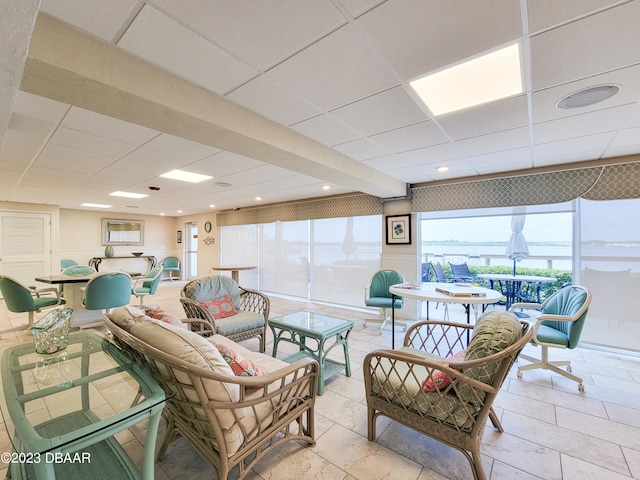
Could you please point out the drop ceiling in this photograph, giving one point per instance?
(281, 98)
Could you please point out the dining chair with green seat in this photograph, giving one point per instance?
(107, 290)
(147, 285)
(67, 262)
(171, 264)
(377, 294)
(558, 324)
(21, 299)
(76, 271)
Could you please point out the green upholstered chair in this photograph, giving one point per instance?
(147, 285)
(76, 271)
(558, 324)
(377, 294)
(22, 299)
(107, 290)
(171, 264)
(243, 315)
(67, 262)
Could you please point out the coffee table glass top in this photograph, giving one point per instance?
(311, 322)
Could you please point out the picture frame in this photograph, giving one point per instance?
(398, 228)
(179, 236)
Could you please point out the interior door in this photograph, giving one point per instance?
(192, 251)
(25, 245)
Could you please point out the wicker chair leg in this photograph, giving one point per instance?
(170, 435)
(495, 421)
(371, 421)
(476, 465)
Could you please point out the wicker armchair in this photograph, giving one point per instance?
(252, 307)
(411, 385)
(231, 420)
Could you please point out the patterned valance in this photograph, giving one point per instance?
(334, 207)
(607, 182)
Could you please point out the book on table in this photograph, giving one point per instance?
(461, 291)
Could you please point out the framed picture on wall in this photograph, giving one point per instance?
(398, 229)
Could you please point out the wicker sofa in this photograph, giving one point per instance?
(232, 420)
(203, 298)
(427, 387)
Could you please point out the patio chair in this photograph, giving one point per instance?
(559, 323)
(461, 273)
(426, 272)
(230, 310)
(441, 277)
(22, 299)
(441, 384)
(376, 294)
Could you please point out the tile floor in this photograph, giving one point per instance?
(552, 431)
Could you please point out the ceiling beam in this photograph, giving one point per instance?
(70, 66)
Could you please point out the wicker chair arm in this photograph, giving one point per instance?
(201, 327)
(193, 310)
(254, 301)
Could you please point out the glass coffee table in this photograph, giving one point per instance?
(310, 332)
(64, 410)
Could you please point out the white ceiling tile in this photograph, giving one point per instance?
(333, 71)
(269, 31)
(100, 18)
(547, 13)
(361, 149)
(495, 142)
(567, 148)
(517, 158)
(591, 123)
(39, 108)
(384, 111)
(35, 129)
(90, 143)
(225, 163)
(181, 147)
(493, 117)
(63, 153)
(266, 98)
(108, 127)
(417, 37)
(593, 45)
(326, 129)
(161, 40)
(412, 137)
(569, 158)
(544, 101)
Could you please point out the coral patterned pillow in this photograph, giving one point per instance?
(220, 308)
(241, 366)
(440, 380)
(165, 317)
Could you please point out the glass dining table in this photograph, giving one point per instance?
(61, 411)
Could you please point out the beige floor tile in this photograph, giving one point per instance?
(577, 469)
(362, 459)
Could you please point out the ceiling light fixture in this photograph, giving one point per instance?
(442, 168)
(212, 205)
(326, 187)
(588, 96)
(258, 198)
(484, 79)
(96, 205)
(129, 194)
(186, 176)
(223, 184)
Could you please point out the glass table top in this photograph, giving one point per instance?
(311, 322)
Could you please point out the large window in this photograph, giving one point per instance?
(610, 268)
(328, 260)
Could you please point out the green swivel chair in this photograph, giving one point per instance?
(76, 271)
(21, 299)
(377, 295)
(171, 264)
(107, 290)
(559, 323)
(147, 285)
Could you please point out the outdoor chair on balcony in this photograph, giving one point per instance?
(441, 384)
(461, 273)
(441, 277)
(558, 324)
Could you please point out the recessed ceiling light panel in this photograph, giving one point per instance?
(129, 194)
(96, 205)
(588, 96)
(478, 81)
(186, 176)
